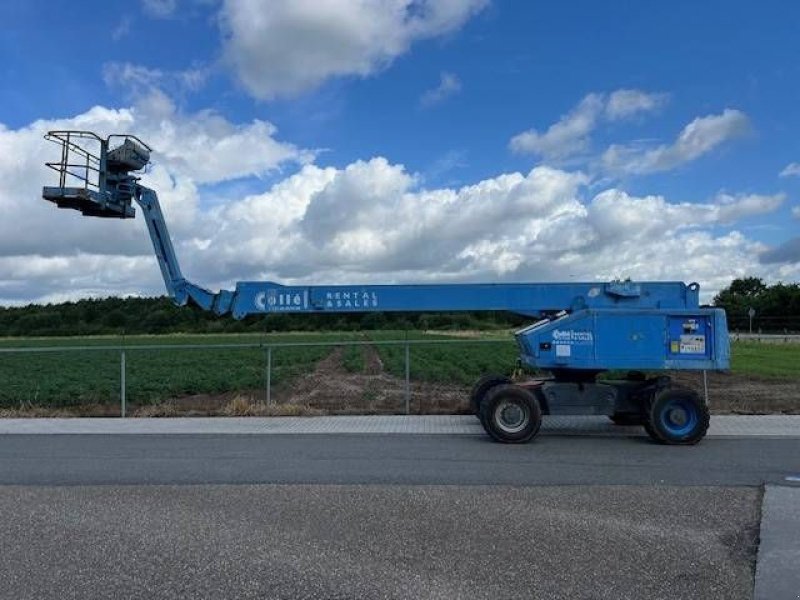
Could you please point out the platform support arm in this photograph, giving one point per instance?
(178, 288)
(162, 244)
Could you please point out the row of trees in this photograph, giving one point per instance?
(129, 316)
(777, 308)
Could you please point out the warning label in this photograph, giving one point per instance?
(692, 344)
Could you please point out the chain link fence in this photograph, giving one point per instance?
(356, 376)
(348, 376)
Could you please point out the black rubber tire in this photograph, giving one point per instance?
(626, 419)
(661, 430)
(481, 387)
(491, 409)
(651, 432)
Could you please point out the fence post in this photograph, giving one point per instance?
(269, 374)
(408, 379)
(122, 383)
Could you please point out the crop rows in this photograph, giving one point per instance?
(73, 378)
(459, 364)
(63, 379)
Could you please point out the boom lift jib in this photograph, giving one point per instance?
(580, 330)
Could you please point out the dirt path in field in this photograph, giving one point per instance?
(333, 390)
(745, 394)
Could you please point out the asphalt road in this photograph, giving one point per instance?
(331, 542)
(389, 459)
(381, 516)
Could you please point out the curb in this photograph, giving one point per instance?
(723, 426)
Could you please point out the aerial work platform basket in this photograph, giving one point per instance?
(95, 178)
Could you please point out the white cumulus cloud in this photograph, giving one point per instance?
(285, 47)
(449, 84)
(570, 135)
(791, 170)
(786, 254)
(160, 9)
(731, 209)
(369, 221)
(623, 104)
(141, 80)
(699, 137)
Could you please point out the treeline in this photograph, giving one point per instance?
(777, 307)
(130, 316)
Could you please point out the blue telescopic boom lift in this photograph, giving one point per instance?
(580, 329)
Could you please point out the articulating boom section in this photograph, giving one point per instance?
(99, 181)
(584, 326)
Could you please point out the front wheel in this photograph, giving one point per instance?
(481, 388)
(678, 417)
(511, 414)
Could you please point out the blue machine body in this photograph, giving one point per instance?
(629, 338)
(590, 326)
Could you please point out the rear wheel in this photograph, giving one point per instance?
(678, 416)
(480, 389)
(510, 414)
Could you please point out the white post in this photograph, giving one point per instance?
(269, 374)
(408, 379)
(122, 383)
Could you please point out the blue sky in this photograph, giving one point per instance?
(440, 91)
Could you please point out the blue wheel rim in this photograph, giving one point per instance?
(678, 417)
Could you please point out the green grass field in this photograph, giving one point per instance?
(64, 379)
(766, 360)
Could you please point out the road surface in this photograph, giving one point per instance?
(346, 515)
(389, 459)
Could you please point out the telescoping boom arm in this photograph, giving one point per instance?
(582, 328)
